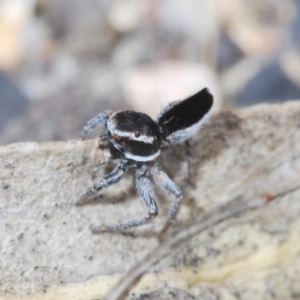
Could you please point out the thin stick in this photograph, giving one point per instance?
(217, 215)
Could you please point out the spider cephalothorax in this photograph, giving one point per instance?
(137, 140)
(135, 134)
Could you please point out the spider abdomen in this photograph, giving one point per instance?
(181, 119)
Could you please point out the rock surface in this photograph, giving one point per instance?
(48, 252)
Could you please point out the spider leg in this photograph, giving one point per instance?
(94, 122)
(164, 181)
(190, 161)
(146, 192)
(112, 178)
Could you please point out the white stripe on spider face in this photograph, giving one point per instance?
(131, 135)
(141, 158)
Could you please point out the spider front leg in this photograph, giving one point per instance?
(94, 122)
(112, 178)
(146, 192)
(164, 181)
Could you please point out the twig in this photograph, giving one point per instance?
(217, 215)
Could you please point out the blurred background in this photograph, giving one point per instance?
(64, 61)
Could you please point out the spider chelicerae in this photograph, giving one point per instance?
(137, 140)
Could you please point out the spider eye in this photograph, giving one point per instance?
(137, 134)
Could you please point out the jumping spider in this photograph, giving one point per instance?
(137, 140)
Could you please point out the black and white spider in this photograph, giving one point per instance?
(137, 140)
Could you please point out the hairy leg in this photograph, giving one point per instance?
(112, 178)
(164, 181)
(146, 192)
(94, 122)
